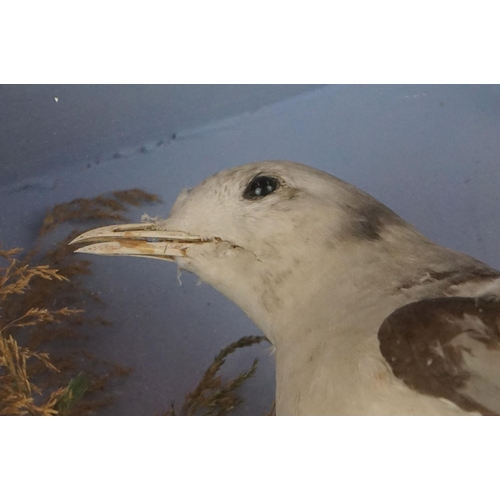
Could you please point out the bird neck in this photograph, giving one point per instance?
(355, 288)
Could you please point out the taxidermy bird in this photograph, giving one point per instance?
(367, 316)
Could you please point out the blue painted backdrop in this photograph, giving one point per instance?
(431, 153)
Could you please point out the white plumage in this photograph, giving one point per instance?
(324, 270)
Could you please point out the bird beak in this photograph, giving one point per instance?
(138, 240)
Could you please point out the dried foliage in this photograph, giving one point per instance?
(17, 392)
(41, 302)
(212, 395)
(99, 208)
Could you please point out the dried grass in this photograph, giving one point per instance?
(17, 391)
(99, 208)
(41, 306)
(212, 395)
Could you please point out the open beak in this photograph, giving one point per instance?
(138, 240)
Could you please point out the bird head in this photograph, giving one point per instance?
(255, 233)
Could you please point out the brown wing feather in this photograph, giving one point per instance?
(448, 348)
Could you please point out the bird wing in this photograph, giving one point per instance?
(448, 348)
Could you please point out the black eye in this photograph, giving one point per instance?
(261, 186)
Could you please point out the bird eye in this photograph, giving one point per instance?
(261, 186)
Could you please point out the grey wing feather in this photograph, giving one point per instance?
(448, 348)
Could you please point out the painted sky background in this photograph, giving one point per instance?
(431, 153)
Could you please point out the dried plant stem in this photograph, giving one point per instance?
(213, 396)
